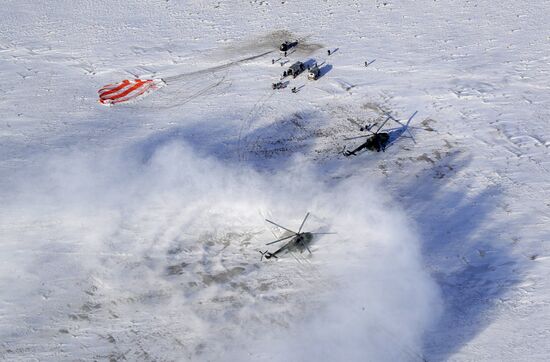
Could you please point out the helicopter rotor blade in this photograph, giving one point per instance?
(354, 122)
(286, 237)
(362, 128)
(411, 117)
(369, 127)
(305, 246)
(282, 227)
(383, 123)
(323, 233)
(407, 126)
(401, 122)
(303, 222)
(353, 138)
(393, 119)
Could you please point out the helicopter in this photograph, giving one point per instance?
(287, 45)
(379, 141)
(299, 241)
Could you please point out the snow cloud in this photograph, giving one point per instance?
(116, 254)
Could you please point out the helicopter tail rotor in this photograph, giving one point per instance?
(347, 153)
(264, 253)
(267, 255)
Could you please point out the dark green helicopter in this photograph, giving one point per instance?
(379, 141)
(299, 241)
(287, 45)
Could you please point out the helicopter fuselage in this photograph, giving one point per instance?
(300, 242)
(287, 45)
(297, 243)
(376, 142)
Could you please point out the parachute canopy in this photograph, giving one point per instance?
(128, 90)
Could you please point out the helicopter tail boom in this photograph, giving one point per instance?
(267, 255)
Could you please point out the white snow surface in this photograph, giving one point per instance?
(132, 232)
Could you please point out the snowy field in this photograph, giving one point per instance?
(132, 232)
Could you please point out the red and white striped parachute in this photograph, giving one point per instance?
(127, 90)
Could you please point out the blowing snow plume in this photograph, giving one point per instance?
(116, 257)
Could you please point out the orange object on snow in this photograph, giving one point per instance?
(127, 90)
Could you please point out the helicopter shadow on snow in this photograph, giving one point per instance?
(470, 259)
(269, 147)
(395, 133)
(273, 146)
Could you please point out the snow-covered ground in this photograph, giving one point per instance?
(132, 232)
